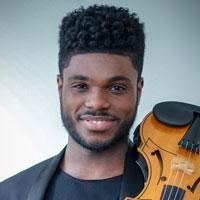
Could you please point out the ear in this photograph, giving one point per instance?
(60, 84)
(140, 85)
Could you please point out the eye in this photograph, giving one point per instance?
(118, 88)
(81, 87)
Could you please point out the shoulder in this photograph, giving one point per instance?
(18, 186)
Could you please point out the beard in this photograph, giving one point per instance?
(121, 134)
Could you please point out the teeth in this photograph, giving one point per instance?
(97, 122)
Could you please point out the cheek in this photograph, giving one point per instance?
(128, 103)
(126, 106)
(66, 101)
(70, 103)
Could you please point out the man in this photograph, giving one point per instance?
(100, 64)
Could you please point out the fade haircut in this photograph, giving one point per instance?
(102, 29)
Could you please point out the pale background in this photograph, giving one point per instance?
(30, 125)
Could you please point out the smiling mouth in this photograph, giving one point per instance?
(98, 123)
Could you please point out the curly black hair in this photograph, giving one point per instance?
(102, 28)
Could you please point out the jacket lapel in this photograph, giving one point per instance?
(40, 186)
(133, 179)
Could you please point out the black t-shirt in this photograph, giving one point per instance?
(64, 187)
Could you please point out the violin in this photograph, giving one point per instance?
(170, 145)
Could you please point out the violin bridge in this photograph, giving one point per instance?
(179, 163)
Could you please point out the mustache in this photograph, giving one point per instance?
(97, 113)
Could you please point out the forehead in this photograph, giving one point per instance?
(100, 66)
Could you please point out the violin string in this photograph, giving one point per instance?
(179, 186)
(188, 159)
(170, 193)
(168, 184)
(172, 188)
(165, 190)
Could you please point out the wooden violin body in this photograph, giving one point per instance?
(173, 169)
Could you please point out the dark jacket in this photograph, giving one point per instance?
(32, 183)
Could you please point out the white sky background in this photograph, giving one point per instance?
(30, 125)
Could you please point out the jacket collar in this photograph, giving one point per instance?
(41, 183)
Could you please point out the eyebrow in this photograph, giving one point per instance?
(119, 78)
(78, 77)
(112, 79)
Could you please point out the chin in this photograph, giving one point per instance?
(99, 145)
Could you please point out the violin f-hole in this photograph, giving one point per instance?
(160, 160)
(194, 186)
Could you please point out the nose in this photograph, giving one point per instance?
(97, 100)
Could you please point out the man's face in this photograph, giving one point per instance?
(99, 94)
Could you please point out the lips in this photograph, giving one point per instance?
(98, 123)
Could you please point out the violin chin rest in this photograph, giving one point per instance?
(175, 113)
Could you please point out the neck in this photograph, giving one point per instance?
(85, 164)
